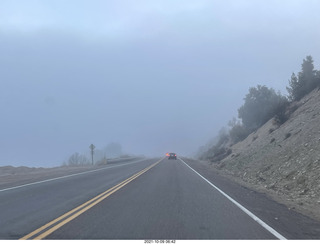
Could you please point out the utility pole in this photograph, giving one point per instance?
(92, 147)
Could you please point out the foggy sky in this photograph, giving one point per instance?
(154, 76)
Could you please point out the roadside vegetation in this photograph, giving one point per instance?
(260, 105)
(96, 157)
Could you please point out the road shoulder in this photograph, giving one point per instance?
(292, 224)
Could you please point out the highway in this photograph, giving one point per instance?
(142, 199)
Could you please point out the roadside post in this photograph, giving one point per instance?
(92, 147)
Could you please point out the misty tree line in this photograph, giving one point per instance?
(101, 156)
(262, 104)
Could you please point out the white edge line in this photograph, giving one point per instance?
(66, 176)
(263, 224)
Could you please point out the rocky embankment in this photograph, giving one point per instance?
(283, 161)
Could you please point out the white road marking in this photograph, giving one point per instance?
(259, 221)
(67, 176)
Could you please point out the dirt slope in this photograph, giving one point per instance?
(283, 161)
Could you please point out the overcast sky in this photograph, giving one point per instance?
(154, 76)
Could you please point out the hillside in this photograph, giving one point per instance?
(282, 161)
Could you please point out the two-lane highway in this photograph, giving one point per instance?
(149, 199)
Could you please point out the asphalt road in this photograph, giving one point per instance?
(148, 199)
(24, 209)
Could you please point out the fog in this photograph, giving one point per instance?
(153, 76)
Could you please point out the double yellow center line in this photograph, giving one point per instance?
(57, 223)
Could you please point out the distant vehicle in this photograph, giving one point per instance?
(172, 156)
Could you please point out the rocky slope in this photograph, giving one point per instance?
(283, 161)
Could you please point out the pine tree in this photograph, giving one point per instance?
(307, 79)
(307, 76)
(294, 88)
